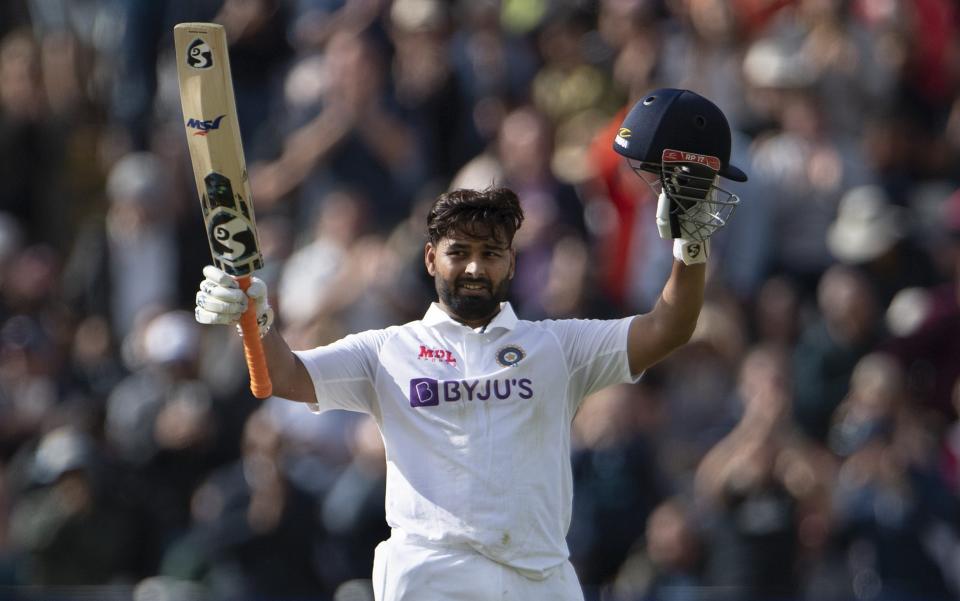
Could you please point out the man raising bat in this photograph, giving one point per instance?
(475, 404)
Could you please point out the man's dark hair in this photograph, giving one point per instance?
(493, 212)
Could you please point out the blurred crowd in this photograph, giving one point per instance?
(804, 445)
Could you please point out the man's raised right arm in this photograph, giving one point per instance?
(220, 301)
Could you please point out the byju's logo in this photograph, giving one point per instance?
(424, 392)
(204, 127)
(428, 392)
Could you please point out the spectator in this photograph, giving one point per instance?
(889, 498)
(106, 272)
(429, 89)
(928, 346)
(253, 530)
(699, 385)
(848, 326)
(161, 420)
(495, 66)
(28, 382)
(356, 138)
(614, 472)
(30, 143)
(671, 568)
(809, 167)
(70, 525)
(776, 316)
(759, 484)
(873, 234)
(352, 511)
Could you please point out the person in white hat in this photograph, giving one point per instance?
(872, 234)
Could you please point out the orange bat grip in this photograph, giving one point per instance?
(260, 384)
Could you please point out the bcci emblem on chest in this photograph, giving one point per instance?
(509, 356)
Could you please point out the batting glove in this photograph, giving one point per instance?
(221, 301)
(690, 252)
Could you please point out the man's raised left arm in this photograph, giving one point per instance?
(671, 322)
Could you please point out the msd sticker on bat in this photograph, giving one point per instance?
(202, 127)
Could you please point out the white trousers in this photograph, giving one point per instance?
(404, 570)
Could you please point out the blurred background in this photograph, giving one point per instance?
(804, 445)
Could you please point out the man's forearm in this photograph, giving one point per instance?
(681, 300)
(290, 378)
(672, 321)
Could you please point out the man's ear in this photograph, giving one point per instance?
(430, 258)
(513, 263)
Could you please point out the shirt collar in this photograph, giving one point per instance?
(505, 319)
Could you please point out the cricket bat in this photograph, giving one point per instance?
(220, 171)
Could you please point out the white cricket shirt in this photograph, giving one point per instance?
(476, 423)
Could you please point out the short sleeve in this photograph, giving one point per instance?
(344, 372)
(596, 352)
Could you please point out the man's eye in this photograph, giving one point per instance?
(491, 253)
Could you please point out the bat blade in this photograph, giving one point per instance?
(219, 169)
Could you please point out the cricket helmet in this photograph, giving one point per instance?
(681, 120)
(683, 140)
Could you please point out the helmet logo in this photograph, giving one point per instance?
(621, 138)
(679, 156)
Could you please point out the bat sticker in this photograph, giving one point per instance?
(199, 55)
(231, 235)
(203, 127)
(230, 227)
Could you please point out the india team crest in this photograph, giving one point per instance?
(509, 356)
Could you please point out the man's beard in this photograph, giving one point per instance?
(472, 308)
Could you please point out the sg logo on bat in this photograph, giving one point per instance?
(231, 236)
(199, 55)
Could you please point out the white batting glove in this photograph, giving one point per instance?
(220, 300)
(690, 252)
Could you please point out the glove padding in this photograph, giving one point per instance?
(221, 301)
(691, 252)
(683, 208)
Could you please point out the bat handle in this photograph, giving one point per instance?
(260, 384)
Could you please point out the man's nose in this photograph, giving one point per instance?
(474, 267)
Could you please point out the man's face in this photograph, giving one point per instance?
(472, 275)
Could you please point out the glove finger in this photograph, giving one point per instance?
(257, 290)
(666, 222)
(215, 305)
(220, 277)
(210, 318)
(232, 295)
